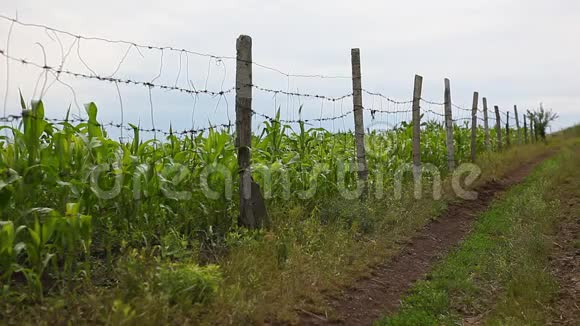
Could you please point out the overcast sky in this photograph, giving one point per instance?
(513, 52)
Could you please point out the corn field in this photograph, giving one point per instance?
(56, 223)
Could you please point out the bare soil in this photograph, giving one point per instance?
(369, 298)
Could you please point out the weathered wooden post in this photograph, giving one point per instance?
(498, 127)
(417, 89)
(474, 126)
(252, 210)
(519, 136)
(359, 128)
(532, 127)
(486, 125)
(534, 122)
(449, 127)
(507, 130)
(525, 130)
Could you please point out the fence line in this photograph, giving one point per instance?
(12, 118)
(58, 71)
(250, 193)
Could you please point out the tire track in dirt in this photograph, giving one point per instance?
(369, 298)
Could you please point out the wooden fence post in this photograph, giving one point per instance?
(507, 130)
(518, 125)
(533, 127)
(486, 125)
(247, 217)
(535, 124)
(525, 130)
(417, 89)
(449, 127)
(474, 126)
(359, 128)
(498, 127)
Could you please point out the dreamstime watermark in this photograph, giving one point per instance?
(217, 181)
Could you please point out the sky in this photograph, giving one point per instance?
(512, 52)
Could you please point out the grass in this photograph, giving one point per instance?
(498, 276)
(75, 257)
(265, 275)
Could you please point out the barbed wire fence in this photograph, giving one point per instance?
(226, 94)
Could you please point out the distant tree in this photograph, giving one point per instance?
(541, 120)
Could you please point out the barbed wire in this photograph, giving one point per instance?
(102, 39)
(386, 111)
(305, 121)
(453, 105)
(317, 96)
(432, 102)
(508, 114)
(372, 110)
(287, 74)
(435, 113)
(457, 106)
(166, 48)
(191, 131)
(460, 107)
(116, 80)
(13, 118)
(468, 119)
(386, 97)
(57, 71)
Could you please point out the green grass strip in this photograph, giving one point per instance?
(498, 275)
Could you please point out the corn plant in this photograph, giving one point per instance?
(69, 192)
